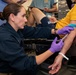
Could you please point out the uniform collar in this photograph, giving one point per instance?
(10, 28)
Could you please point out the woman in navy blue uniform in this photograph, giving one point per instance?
(13, 59)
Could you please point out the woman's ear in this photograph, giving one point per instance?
(11, 17)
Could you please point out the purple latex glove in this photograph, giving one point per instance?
(65, 30)
(55, 47)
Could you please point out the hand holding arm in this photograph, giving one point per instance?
(65, 30)
(55, 67)
(55, 47)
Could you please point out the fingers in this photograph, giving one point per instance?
(55, 40)
(70, 28)
(61, 42)
(49, 66)
(52, 67)
(51, 71)
(55, 68)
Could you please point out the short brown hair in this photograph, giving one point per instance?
(11, 8)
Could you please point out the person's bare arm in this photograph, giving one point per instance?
(37, 15)
(68, 41)
(42, 57)
(54, 48)
(58, 60)
(73, 22)
(67, 44)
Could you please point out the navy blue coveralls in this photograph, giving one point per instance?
(12, 55)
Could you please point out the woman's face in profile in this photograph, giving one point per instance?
(19, 20)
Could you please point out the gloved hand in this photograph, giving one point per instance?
(55, 47)
(65, 30)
